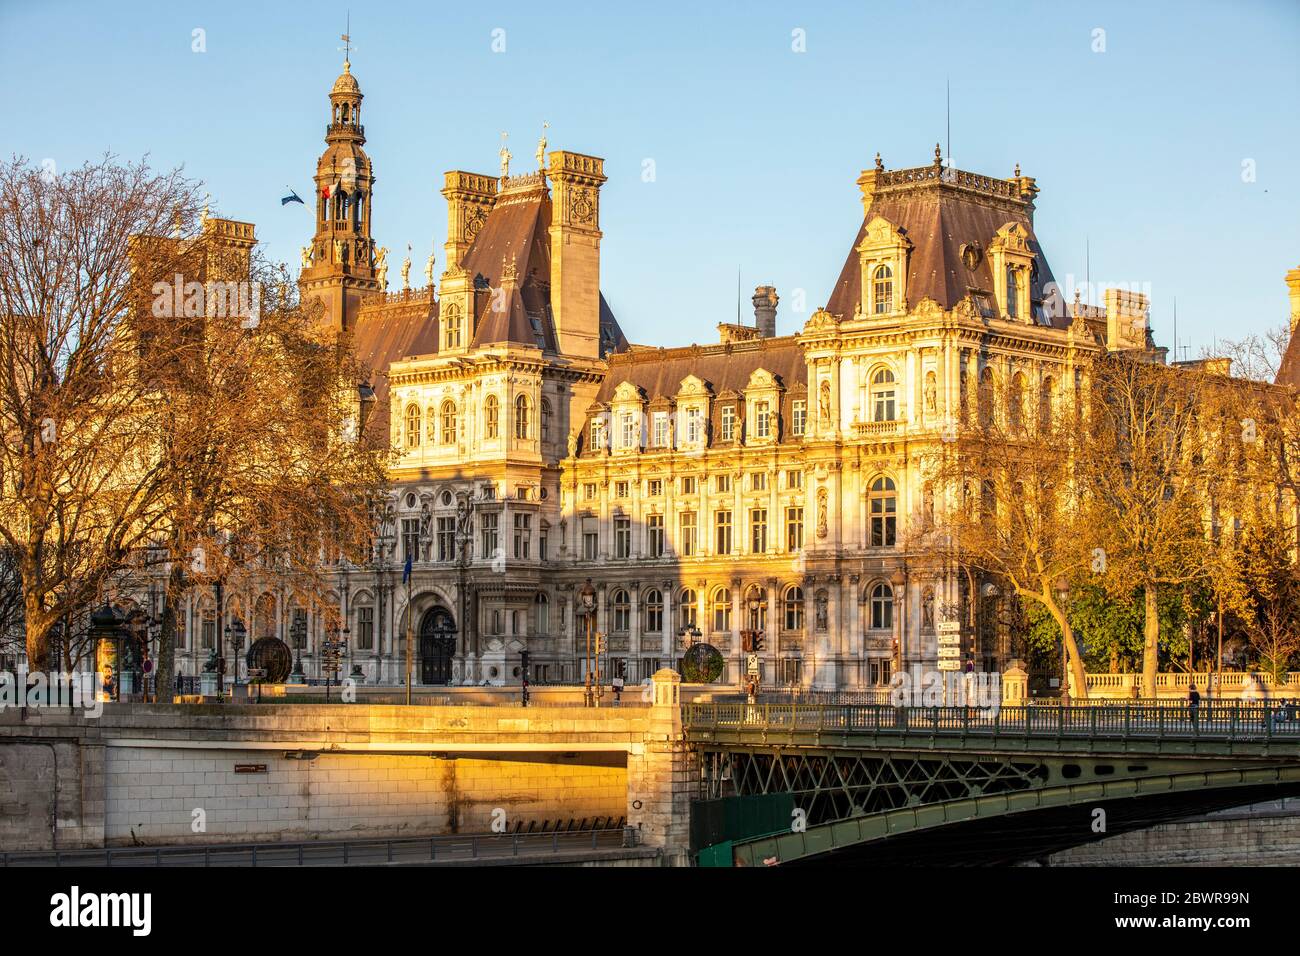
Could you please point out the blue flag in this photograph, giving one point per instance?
(292, 197)
(406, 570)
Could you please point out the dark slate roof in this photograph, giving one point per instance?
(386, 334)
(725, 369)
(659, 372)
(516, 233)
(938, 220)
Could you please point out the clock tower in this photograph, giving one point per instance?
(339, 268)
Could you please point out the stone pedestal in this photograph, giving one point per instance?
(661, 773)
(208, 684)
(1015, 686)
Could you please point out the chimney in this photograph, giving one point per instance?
(1293, 286)
(575, 251)
(1126, 319)
(470, 197)
(765, 300)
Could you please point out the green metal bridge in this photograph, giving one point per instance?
(968, 785)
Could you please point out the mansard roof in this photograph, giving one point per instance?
(942, 212)
(515, 239)
(386, 331)
(659, 372)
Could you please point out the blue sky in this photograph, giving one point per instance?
(1138, 150)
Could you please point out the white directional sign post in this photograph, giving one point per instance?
(949, 633)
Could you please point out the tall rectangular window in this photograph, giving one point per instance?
(597, 434)
(621, 489)
(661, 429)
(722, 484)
(793, 529)
(411, 539)
(365, 628)
(686, 534)
(688, 485)
(758, 530)
(798, 417)
(590, 545)
(722, 528)
(728, 423)
(655, 535)
(622, 537)
(794, 479)
(489, 526)
(762, 419)
(654, 488)
(523, 536)
(208, 630)
(758, 481)
(694, 430)
(627, 422)
(447, 539)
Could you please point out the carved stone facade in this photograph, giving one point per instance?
(765, 482)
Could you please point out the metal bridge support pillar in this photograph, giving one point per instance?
(661, 773)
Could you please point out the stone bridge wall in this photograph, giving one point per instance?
(138, 772)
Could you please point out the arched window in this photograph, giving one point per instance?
(883, 405)
(987, 397)
(721, 610)
(1016, 403)
(792, 604)
(622, 611)
(412, 426)
(449, 422)
(1045, 393)
(1013, 306)
(882, 290)
(521, 416)
(687, 608)
(882, 607)
(546, 420)
(654, 611)
(884, 513)
(491, 414)
(542, 613)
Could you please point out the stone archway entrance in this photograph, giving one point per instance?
(437, 645)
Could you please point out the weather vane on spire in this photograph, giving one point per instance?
(347, 42)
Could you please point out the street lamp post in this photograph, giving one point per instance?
(235, 632)
(1062, 593)
(751, 679)
(588, 598)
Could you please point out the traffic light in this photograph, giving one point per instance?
(745, 641)
(756, 642)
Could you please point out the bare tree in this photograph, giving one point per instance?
(80, 481)
(1142, 464)
(1008, 505)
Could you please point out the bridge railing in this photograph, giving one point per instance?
(1217, 720)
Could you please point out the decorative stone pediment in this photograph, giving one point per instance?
(627, 392)
(692, 386)
(881, 232)
(761, 379)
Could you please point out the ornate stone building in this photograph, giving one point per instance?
(760, 482)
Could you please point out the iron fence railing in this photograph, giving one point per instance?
(485, 846)
(1217, 720)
